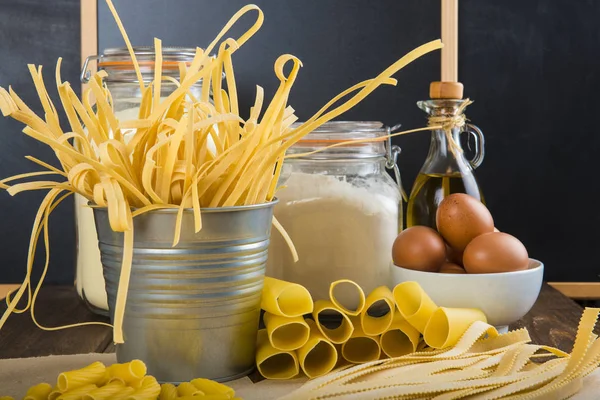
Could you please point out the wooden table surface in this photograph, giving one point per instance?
(552, 321)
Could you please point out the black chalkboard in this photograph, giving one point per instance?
(34, 32)
(530, 66)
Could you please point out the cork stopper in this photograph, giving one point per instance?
(446, 90)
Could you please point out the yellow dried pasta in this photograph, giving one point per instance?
(336, 335)
(285, 299)
(360, 347)
(318, 356)
(38, 392)
(273, 363)
(168, 162)
(376, 325)
(286, 334)
(345, 286)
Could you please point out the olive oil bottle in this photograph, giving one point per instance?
(430, 189)
(446, 169)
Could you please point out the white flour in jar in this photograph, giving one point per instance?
(341, 230)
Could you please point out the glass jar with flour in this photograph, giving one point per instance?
(125, 90)
(341, 209)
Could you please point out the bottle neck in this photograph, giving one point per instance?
(440, 146)
(443, 159)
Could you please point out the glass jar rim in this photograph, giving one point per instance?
(336, 132)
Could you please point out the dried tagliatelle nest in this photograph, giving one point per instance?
(170, 160)
(476, 368)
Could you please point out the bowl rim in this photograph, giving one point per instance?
(492, 274)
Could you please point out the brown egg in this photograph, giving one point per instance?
(454, 256)
(495, 252)
(451, 268)
(460, 218)
(420, 248)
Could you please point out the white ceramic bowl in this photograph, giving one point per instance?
(503, 297)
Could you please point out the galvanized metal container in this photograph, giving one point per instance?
(192, 310)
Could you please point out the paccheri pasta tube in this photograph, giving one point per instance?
(347, 289)
(167, 162)
(400, 339)
(273, 363)
(286, 334)
(447, 325)
(318, 356)
(285, 299)
(414, 304)
(360, 347)
(339, 334)
(378, 298)
(137, 388)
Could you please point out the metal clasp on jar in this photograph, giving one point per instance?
(392, 153)
(86, 74)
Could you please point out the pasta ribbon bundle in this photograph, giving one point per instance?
(476, 367)
(385, 324)
(182, 152)
(126, 381)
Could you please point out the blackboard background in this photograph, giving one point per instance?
(532, 68)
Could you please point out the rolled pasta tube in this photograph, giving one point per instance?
(78, 393)
(187, 389)
(318, 356)
(285, 299)
(149, 389)
(345, 292)
(54, 394)
(94, 373)
(360, 347)
(105, 392)
(373, 326)
(286, 334)
(124, 394)
(414, 304)
(38, 392)
(168, 391)
(6, 398)
(400, 339)
(337, 335)
(211, 387)
(273, 363)
(127, 372)
(206, 397)
(447, 325)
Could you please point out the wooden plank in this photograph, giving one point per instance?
(55, 306)
(89, 34)
(553, 320)
(450, 40)
(578, 290)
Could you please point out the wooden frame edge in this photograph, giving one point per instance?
(89, 33)
(578, 290)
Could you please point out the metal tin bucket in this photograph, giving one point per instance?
(192, 310)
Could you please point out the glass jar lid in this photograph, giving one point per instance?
(118, 64)
(335, 132)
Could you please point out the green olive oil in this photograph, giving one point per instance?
(430, 189)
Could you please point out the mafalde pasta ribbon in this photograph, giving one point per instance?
(285, 299)
(344, 293)
(273, 363)
(318, 356)
(446, 325)
(414, 304)
(335, 335)
(286, 334)
(400, 339)
(360, 347)
(378, 298)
